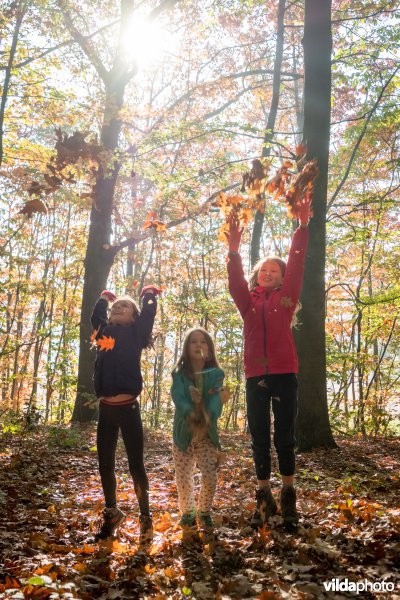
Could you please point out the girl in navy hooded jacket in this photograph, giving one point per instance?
(267, 305)
(120, 335)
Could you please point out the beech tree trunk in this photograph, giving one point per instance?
(99, 257)
(313, 428)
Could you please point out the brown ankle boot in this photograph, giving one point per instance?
(146, 532)
(266, 508)
(288, 507)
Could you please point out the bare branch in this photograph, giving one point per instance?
(63, 44)
(21, 11)
(83, 42)
(360, 138)
(163, 6)
(141, 237)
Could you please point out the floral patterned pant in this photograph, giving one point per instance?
(205, 455)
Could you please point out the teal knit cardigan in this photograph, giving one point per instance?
(212, 380)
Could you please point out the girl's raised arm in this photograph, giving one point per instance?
(293, 279)
(99, 315)
(238, 287)
(147, 315)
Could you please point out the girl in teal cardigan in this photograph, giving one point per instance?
(198, 396)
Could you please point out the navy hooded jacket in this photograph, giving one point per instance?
(117, 366)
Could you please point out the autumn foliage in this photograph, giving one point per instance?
(287, 185)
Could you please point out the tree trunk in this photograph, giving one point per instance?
(99, 257)
(313, 428)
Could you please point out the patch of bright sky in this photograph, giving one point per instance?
(147, 41)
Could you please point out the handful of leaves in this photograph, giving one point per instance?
(290, 184)
(237, 210)
(291, 187)
(198, 420)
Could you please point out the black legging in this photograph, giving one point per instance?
(282, 391)
(128, 419)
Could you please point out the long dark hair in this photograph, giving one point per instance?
(184, 364)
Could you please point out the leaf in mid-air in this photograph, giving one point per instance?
(106, 343)
(32, 206)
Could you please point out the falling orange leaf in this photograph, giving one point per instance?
(106, 343)
(32, 206)
(152, 222)
(301, 149)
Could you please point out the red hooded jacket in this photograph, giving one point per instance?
(267, 314)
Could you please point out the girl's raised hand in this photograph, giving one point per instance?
(305, 209)
(234, 235)
(150, 288)
(108, 295)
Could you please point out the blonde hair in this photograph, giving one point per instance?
(184, 364)
(254, 271)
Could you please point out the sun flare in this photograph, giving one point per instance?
(146, 41)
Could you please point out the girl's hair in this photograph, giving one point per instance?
(254, 271)
(254, 277)
(184, 364)
(135, 313)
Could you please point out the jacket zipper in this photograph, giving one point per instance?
(265, 335)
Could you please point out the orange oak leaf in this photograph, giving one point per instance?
(106, 343)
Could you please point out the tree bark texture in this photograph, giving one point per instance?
(99, 256)
(313, 428)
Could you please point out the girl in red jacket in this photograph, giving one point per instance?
(267, 305)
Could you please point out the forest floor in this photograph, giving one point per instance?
(51, 502)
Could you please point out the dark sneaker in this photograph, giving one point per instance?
(112, 518)
(205, 520)
(266, 508)
(146, 531)
(188, 519)
(288, 507)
